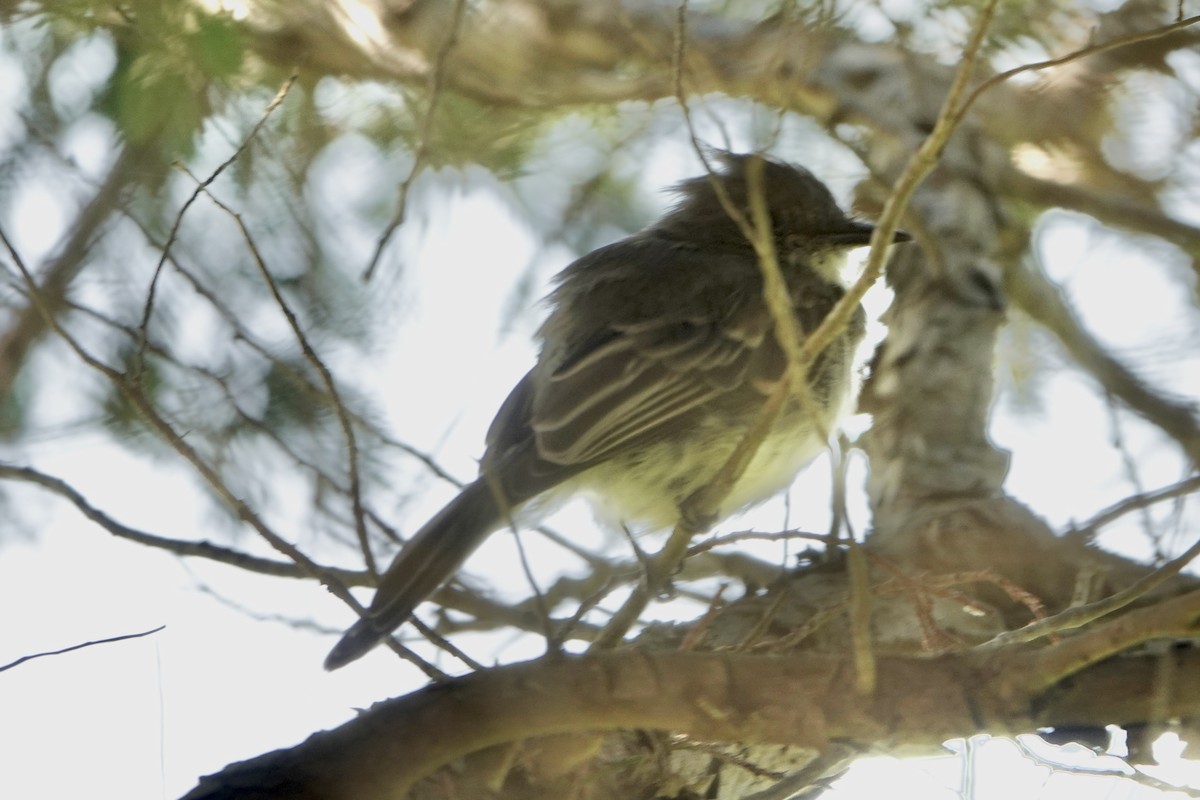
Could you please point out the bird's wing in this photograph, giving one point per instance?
(510, 427)
(640, 380)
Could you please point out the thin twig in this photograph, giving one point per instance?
(123, 637)
(177, 442)
(1084, 52)
(424, 458)
(1135, 503)
(750, 639)
(250, 420)
(531, 579)
(753, 536)
(1130, 466)
(813, 777)
(1043, 300)
(575, 622)
(719, 753)
(180, 547)
(918, 167)
(310, 355)
(152, 290)
(421, 153)
(1078, 616)
(445, 644)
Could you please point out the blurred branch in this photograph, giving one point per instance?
(247, 419)
(421, 152)
(1173, 618)
(1083, 52)
(331, 389)
(1039, 297)
(27, 328)
(1078, 616)
(201, 186)
(746, 536)
(177, 442)
(1112, 209)
(1135, 503)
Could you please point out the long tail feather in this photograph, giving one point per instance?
(431, 557)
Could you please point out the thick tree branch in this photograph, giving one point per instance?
(802, 701)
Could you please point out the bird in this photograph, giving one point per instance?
(656, 356)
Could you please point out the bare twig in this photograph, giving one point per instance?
(721, 753)
(1042, 299)
(445, 644)
(538, 598)
(1078, 616)
(253, 422)
(919, 166)
(752, 636)
(1083, 52)
(177, 442)
(821, 772)
(424, 458)
(1173, 618)
(121, 638)
(1130, 467)
(28, 325)
(181, 547)
(1135, 503)
(152, 290)
(756, 536)
(421, 153)
(360, 525)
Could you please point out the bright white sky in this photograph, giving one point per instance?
(145, 718)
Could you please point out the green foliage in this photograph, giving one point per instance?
(291, 402)
(466, 132)
(170, 57)
(219, 46)
(120, 414)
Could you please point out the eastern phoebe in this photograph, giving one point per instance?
(657, 355)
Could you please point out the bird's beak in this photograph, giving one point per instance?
(858, 233)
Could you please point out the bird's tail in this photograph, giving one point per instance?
(425, 562)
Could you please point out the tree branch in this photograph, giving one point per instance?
(803, 701)
(1043, 300)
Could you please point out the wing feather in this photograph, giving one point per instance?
(625, 370)
(645, 379)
